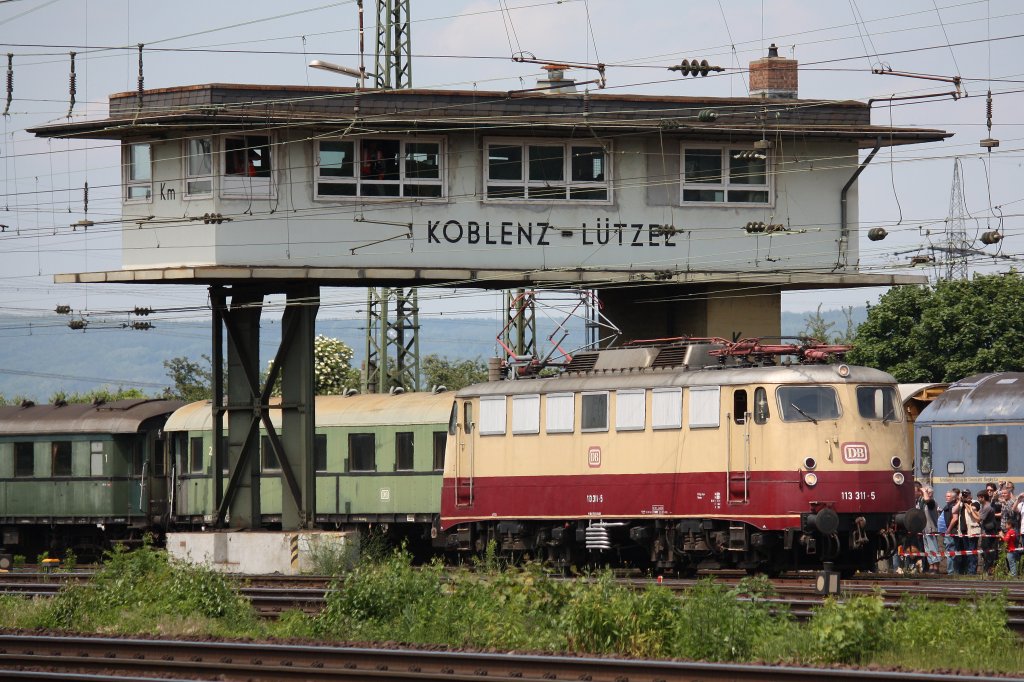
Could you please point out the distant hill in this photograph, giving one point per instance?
(41, 355)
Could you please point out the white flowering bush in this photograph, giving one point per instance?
(332, 367)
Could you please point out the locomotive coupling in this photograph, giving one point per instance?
(913, 520)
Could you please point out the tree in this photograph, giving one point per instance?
(192, 381)
(819, 328)
(946, 332)
(453, 374)
(99, 395)
(333, 371)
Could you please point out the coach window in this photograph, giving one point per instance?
(761, 412)
(594, 412)
(198, 166)
(196, 455)
(739, 406)
(631, 410)
(992, 454)
(268, 458)
(525, 414)
(137, 457)
(808, 403)
(492, 416)
(666, 408)
(96, 458)
(404, 451)
(878, 402)
(559, 413)
(138, 172)
(705, 402)
(320, 452)
(61, 458)
(24, 460)
(362, 452)
(440, 440)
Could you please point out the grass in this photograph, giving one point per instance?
(502, 608)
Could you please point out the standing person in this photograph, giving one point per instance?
(931, 540)
(1010, 530)
(945, 526)
(989, 528)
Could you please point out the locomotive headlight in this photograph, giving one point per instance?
(810, 463)
(896, 463)
(811, 479)
(843, 371)
(898, 478)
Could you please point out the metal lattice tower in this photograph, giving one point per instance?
(521, 323)
(957, 247)
(394, 55)
(392, 340)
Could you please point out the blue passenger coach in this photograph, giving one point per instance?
(972, 434)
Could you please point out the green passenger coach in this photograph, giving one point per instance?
(379, 459)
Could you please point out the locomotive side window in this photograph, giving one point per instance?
(61, 458)
(992, 454)
(704, 407)
(453, 419)
(666, 408)
(320, 452)
(196, 452)
(24, 460)
(808, 403)
(268, 458)
(739, 406)
(404, 451)
(594, 412)
(631, 410)
(525, 414)
(878, 402)
(492, 416)
(440, 439)
(955, 468)
(362, 452)
(761, 412)
(560, 412)
(467, 414)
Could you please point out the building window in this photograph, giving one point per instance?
(268, 458)
(379, 167)
(525, 414)
(362, 452)
(320, 452)
(547, 171)
(24, 460)
(594, 412)
(730, 175)
(138, 172)
(404, 449)
(196, 451)
(247, 166)
(440, 440)
(198, 166)
(992, 454)
(61, 458)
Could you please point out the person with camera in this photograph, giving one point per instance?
(966, 528)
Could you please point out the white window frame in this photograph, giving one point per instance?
(525, 414)
(705, 407)
(625, 418)
(491, 408)
(357, 181)
(525, 183)
(197, 177)
(554, 404)
(725, 186)
(666, 408)
(607, 409)
(236, 186)
(129, 172)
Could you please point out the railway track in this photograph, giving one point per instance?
(102, 658)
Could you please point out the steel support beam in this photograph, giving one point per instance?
(392, 341)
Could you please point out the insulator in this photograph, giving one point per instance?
(71, 86)
(10, 82)
(991, 237)
(85, 197)
(877, 234)
(141, 311)
(707, 115)
(142, 326)
(988, 109)
(62, 309)
(753, 227)
(78, 324)
(703, 67)
(141, 79)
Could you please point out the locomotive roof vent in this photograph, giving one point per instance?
(640, 358)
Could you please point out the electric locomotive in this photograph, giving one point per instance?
(681, 456)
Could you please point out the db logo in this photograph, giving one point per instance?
(855, 453)
(594, 456)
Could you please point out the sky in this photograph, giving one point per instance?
(468, 44)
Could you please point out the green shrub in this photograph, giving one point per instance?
(19, 561)
(848, 631)
(332, 558)
(70, 560)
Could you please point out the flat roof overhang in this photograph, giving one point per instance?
(271, 277)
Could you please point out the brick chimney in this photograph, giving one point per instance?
(773, 77)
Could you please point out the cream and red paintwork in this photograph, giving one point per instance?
(741, 472)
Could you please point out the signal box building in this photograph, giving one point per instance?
(691, 215)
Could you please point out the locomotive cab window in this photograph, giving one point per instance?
(24, 460)
(992, 454)
(808, 403)
(362, 452)
(878, 402)
(61, 458)
(761, 412)
(739, 406)
(594, 412)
